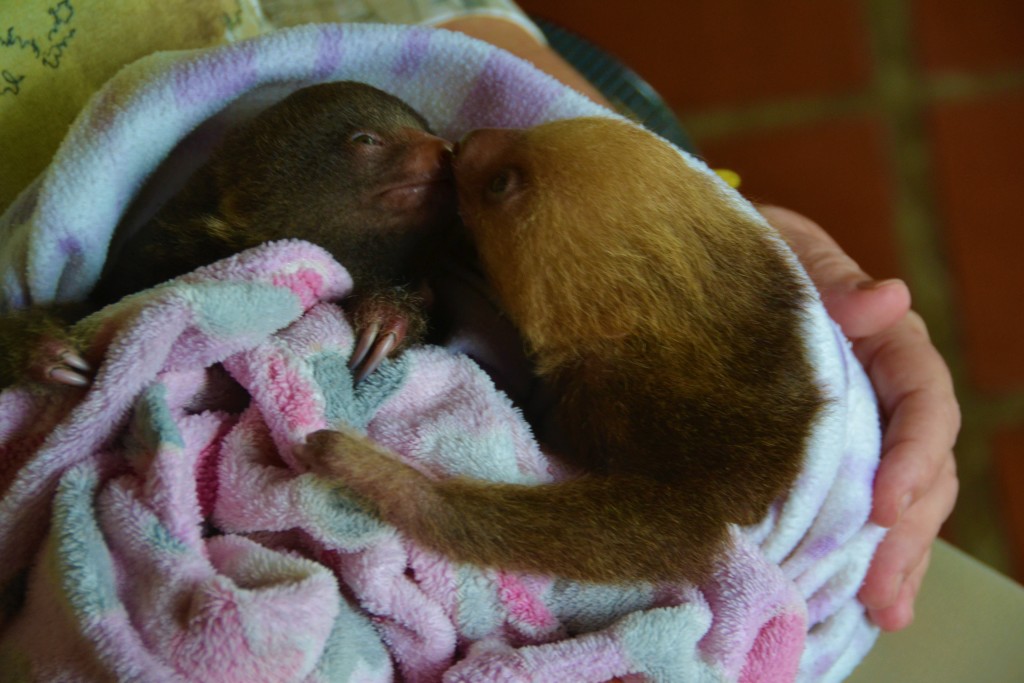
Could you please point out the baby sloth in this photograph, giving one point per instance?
(666, 321)
(343, 165)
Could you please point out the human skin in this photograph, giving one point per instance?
(916, 484)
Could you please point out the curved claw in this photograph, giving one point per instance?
(381, 349)
(73, 360)
(69, 377)
(366, 340)
(67, 367)
(371, 352)
(382, 321)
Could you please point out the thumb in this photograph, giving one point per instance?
(860, 304)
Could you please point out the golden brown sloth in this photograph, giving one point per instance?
(666, 320)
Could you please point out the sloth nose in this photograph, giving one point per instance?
(422, 137)
(445, 150)
(444, 146)
(449, 151)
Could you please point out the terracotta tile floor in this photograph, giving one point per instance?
(899, 125)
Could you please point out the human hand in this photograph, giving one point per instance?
(916, 483)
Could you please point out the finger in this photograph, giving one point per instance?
(900, 614)
(908, 471)
(922, 422)
(908, 544)
(867, 307)
(860, 304)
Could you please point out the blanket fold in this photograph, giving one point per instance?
(158, 527)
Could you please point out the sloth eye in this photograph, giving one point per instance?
(502, 182)
(365, 139)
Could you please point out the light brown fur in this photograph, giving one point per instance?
(667, 322)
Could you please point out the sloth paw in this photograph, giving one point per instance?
(318, 453)
(376, 342)
(380, 332)
(57, 361)
(385, 320)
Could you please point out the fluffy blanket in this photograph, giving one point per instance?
(158, 528)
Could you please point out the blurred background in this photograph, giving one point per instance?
(899, 126)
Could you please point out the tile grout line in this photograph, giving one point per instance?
(902, 102)
(718, 122)
(957, 86)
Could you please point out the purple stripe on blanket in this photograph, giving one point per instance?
(500, 97)
(219, 76)
(73, 251)
(70, 246)
(330, 50)
(106, 106)
(414, 51)
(821, 547)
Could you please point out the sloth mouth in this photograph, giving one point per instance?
(413, 187)
(415, 190)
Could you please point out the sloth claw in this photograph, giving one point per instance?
(61, 364)
(368, 363)
(69, 377)
(73, 360)
(376, 342)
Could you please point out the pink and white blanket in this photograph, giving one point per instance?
(157, 528)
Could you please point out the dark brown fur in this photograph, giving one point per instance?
(295, 171)
(303, 168)
(668, 323)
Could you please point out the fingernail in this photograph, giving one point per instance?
(869, 285)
